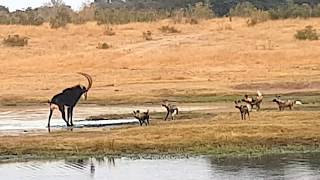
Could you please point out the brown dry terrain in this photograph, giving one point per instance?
(215, 56)
(213, 61)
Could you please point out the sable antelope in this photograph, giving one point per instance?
(69, 98)
(172, 110)
(253, 102)
(142, 117)
(244, 110)
(285, 104)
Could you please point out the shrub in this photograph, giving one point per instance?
(258, 16)
(169, 29)
(316, 11)
(200, 11)
(109, 31)
(291, 10)
(308, 33)
(86, 13)
(192, 21)
(103, 46)
(147, 35)
(61, 17)
(124, 15)
(15, 40)
(246, 9)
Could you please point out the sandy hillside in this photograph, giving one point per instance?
(213, 56)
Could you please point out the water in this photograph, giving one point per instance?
(305, 166)
(22, 119)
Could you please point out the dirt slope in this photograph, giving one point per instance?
(213, 56)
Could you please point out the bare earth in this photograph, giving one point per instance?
(215, 56)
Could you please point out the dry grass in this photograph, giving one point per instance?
(225, 134)
(205, 59)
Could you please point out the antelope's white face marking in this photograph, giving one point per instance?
(82, 86)
(54, 106)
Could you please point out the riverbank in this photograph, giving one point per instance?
(211, 134)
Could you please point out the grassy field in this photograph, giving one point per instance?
(215, 61)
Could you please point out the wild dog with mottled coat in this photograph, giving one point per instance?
(172, 110)
(253, 102)
(244, 110)
(285, 104)
(143, 117)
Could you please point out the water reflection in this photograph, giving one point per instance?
(305, 166)
(276, 166)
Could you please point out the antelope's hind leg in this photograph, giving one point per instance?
(63, 114)
(70, 115)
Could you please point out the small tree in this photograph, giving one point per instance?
(200, 11)
(62, 14)
(316, 11)
(244, 9)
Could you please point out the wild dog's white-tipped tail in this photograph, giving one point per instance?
(298, 102)
(259, 93)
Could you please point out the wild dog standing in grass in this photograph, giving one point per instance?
(172, 110)
(244, 110)
(254, 102)
(143, 117)
(68, 98)
(285, 104)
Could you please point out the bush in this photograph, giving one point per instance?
(124, 15)
(103, 46)
(15, 40)
(308, 33)
(109, 31)
(147, 35)
(61, 18)
(316, 11)
(86, 14)
(169, 29)
(258, 16)
(292, 10)
(200, 11)
(246, 9)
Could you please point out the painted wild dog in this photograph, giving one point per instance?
(172, 110)
(253, 101)
(244, 110)
(282, 104)
(143, 117)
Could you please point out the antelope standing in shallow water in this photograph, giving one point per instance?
(69, 98)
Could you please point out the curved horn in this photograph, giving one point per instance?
(89, 78)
